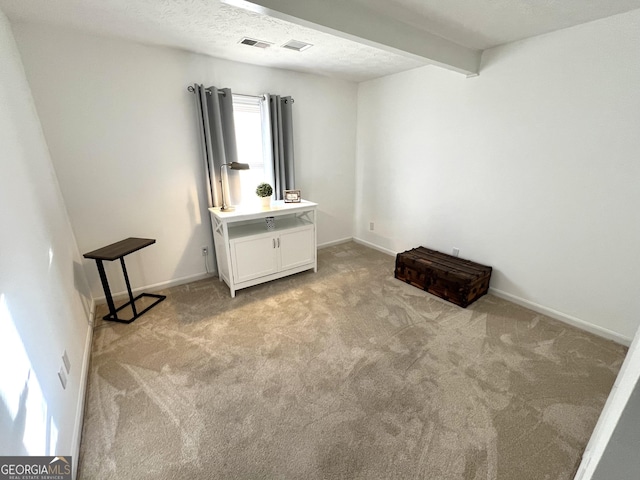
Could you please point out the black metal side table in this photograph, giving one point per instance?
(117, 251)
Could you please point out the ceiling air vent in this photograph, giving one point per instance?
(252, 42)
(297, 45)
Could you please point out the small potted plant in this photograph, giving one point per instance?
(264, 191)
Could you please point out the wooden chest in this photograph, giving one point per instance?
(451, 278)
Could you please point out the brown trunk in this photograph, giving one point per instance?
(451, 278)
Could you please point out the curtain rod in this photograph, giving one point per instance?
(220, 92)
(190, 89)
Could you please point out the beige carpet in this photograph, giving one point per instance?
(345, 373)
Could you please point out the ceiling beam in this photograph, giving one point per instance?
(349, 20)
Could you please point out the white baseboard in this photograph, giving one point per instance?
(334, 242)
(374, 246)
(84, 378)
(156, 286)
(563, 317)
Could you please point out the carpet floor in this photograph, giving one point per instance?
(346, 373)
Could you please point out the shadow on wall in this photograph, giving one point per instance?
(82, 287)
(196, 206)
(201, 236)
(501, 281)
(26, 421)
(13, 428)
(327, 224)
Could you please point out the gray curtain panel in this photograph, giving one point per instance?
(281, 119)
(218, 138)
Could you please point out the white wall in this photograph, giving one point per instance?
(532, 167)
(44, 298)
(620, 460)
(122, 132)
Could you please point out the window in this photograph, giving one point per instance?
(252, 141)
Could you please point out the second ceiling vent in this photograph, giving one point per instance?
(297, 45)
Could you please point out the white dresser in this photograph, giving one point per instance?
(248, 254)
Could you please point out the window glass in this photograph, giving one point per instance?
(250, 141)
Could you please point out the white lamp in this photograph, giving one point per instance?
(232, 166)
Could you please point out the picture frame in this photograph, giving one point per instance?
(292, 196)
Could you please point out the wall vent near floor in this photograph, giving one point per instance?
(297, 45)
(252, 42)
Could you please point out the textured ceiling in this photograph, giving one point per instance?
(208, 27)
(482, 24)
(211, 28)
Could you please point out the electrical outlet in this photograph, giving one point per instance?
(205, 251)
(456, 251)
(63, 378)
(371, 226)
(66, 362)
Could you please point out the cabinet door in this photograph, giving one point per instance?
(297, 247)
(253, 257)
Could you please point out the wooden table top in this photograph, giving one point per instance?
(119, 249)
